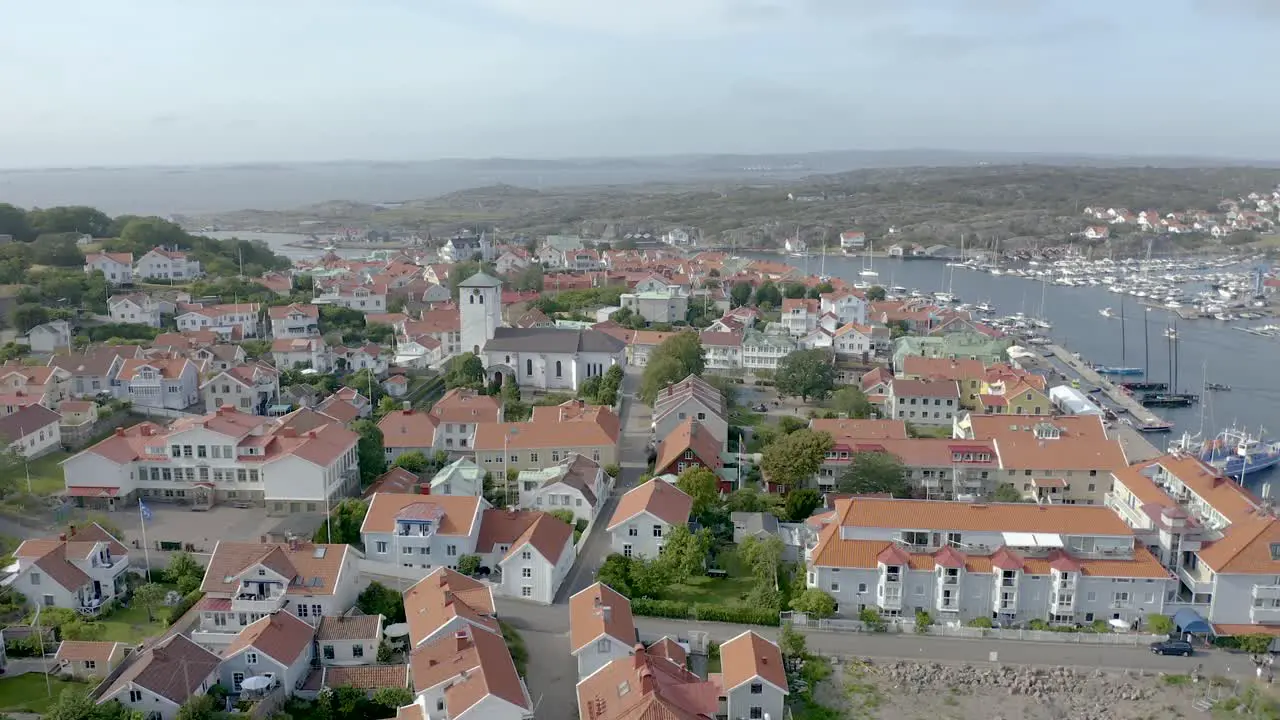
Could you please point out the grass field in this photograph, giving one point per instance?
(131, 625)
(46, 474)
(28, 693)
(722, 591)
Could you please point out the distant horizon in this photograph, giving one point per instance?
(1234, 160)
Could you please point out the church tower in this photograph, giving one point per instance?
(480, 307)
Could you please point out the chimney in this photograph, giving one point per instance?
(119, 432)
(293, 542)
(311, 434)
(639, 655)
(646, 681)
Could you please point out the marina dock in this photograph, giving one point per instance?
(1137, 447)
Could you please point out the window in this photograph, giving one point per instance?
(633, 532)
(302, 609)
(757, 688)
(657, 531)
(35, 578)
(136, 695)
(317, 611)
(835, 587)
(626, 552)
(756, 712)
(357, 651)
(90, 664)
(558, 369)
(526, 572)
(526, 591)
(451, 550)
(251, 658)
(328, 652)
(528, 367)
(602, 645)
(382, 546)
(526, 555)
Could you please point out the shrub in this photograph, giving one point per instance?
(563, 515)
(815, 602)
(515, 643)
(924, 621)
(739, 615)
(185, 604)
(469, 564)
(661, 608)
(981, 622)
(1254, 644)
(613, 470)
(1159, 624)
(872, 619)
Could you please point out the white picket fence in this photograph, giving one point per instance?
(897, 626)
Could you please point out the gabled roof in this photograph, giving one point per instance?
(660, 499)
(597, 611)
(549, 535)
(690, 435)
(442, 596)
(310, 568)
(454, 514)
(174, 669)
(25, 422)
(54, 556)
(646, 687)
(350, 627)
(408, 429)
(280, 636)
(748, 657)
(396, 480)
(476, 664)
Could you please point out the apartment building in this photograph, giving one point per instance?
(160, 381)
(368, 298)
(294, 321)
(228, 321)
(1012, 563)
(1050, 459)
(645, 515)
(550, 437)
(134, 308)
(250, 388)
(164, 264)
(848, 306)
(764, 350)
(669, 305)
(1218, 539)
(531, 551)
(292, 464)
(932, 403)
(450, 425)
(722, 350)
(83, 570)
(246, 582)
(800, 315)
(422, 531)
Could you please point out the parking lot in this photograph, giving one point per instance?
(202, 530)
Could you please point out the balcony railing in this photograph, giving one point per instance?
(250, 602)
(1265, 592)
(213, 637)
(1264, 614)
(1194, 580)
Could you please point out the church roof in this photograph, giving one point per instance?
(480, 280)
(553, 340)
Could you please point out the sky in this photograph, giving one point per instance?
(143, 82)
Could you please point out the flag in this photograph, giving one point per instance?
(146, 511)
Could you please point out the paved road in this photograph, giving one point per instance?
(634, 460)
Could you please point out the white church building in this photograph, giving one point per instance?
(538, 358)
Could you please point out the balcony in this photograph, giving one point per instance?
(1264, 614)
(1132, 516)
(1198, 580)
(1266, 592)
(213, 638)
(255, 603)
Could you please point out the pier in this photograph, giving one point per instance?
(1137, 447)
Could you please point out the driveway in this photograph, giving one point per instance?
(634, 460)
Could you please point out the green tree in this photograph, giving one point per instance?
(150, 596)
(616, 573)
(367, 383)
(530, 278)
(564, 515)
(650, 577)
(740, 293)
(817, 291)
(794, 646)
(800, 504)
(792, 459)
(469, 564)
(613, 470)
(142, 234)
(747, 500)
(29, 315)
(875, 472)
(80, 629)
(372, 460)
(58, 250)
(378, 599)
(851, 402)
(675, 359)
(876, 294)
(14, 221)
(684, 553)
(465, 370)
(72, 704)
(413, 461)
(345, 520)
(1008, 493)
(814, 602)
(788, 424)
(807, 374)
(198, 707)
(763, 556)
(181, 565)
(255, 349)
(386, 406)
(1159, 624)
(794, 290)
(391, 699)
(703, 486)
(768, 294)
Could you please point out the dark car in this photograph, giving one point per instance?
(1172, 647)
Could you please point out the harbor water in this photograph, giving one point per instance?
(1206, 350)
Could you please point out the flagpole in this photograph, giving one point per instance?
(146, 552)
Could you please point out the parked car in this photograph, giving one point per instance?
(1172, 647)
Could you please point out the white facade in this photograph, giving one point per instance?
(252, 394)
(160, 264)
(222, 319)
(658, 307)
(530, 575)
(365, 298)
(172, 385)
(150, 704)
(116, 267)
(295, 321)
(50, 337)
(250, 661)
(933, 409)
(848, 308)
(641, 536)
(547, 491)
(135, 309)
(480, 308)
(97, 579)
(302, 352)
(37, 441)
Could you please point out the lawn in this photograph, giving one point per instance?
(46, 474)
(27, 693)
(130, 624)
(723, 591)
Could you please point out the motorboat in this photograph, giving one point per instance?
(1107, 312)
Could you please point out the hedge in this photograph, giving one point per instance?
(705, 612)
(187, 602)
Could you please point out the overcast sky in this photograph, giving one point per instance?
(86, 82)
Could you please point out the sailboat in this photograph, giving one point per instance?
(1039, 321)
(867, 271)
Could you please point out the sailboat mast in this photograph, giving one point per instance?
(1122, 336)
(1146, 345)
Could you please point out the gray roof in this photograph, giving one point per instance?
(26, 421)
(481, 280)
(553, 340)
(754, 523)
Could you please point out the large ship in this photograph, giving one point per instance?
(1236, 453)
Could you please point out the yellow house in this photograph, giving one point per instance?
(1013, 398)
(969, 376)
